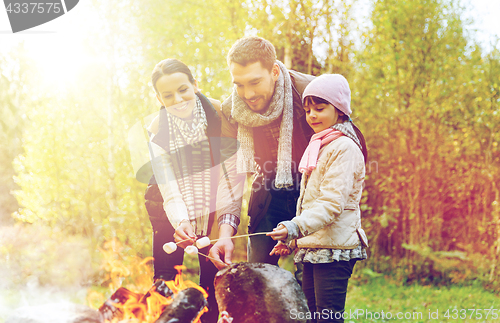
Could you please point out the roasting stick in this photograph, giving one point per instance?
(190, 239)
(241, 236)
(170, 247)
(192, 250)
(201, 243)
(212, 258)
(233, 237)
(205, 241)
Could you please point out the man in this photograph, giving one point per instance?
(265, 114)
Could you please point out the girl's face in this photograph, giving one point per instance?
(177, 94)
(321, 116)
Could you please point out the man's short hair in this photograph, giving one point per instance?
(249, 50)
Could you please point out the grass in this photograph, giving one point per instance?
(419, 303)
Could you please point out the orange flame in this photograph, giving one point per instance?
(147, 308)
(179, 284)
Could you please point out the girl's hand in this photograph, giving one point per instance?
(279, 233)
(280, 249)
(185, 231)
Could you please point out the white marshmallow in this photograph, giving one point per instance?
(169, 247)
(191, 250)
(203, 242)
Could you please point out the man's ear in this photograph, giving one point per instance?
(275, 72)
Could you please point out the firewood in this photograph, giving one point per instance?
(187, 304)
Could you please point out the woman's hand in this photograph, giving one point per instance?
(279, 233)
(280, 249)
(185, 231)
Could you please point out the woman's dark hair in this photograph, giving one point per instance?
(170, 66)
(343, 118)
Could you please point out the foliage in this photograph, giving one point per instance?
(32, 256)
(16, 71)
(427, 99)
(188, 31)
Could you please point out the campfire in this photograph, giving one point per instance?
(165, 301)
(245, 293)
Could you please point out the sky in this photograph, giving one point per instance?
(486, 15)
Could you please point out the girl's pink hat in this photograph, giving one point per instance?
(333, 88)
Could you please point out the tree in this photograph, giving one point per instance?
(16, 76)
(418, 89)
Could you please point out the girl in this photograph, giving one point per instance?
(182, 161)
(327, 228)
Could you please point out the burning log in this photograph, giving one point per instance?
(111, 308)
(187, 306)
(166, 302)
(255, 292)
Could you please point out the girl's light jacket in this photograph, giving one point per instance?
(328, 213)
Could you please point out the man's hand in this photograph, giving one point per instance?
(185, 232)
(222, 250)
(279, 233)
(280, 249)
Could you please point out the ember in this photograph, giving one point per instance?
(166, 300)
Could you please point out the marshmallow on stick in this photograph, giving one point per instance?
(203, 242)
(169, 247)
(191, 250)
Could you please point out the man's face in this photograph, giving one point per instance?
(255, 84)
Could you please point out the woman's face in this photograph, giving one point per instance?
(177, 94)
(321, 116)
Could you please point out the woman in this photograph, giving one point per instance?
(181, 133)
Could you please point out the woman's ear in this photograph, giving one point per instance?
(159, 99)
(196, 88)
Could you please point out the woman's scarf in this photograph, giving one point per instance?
(190, 151)
(281, 105)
